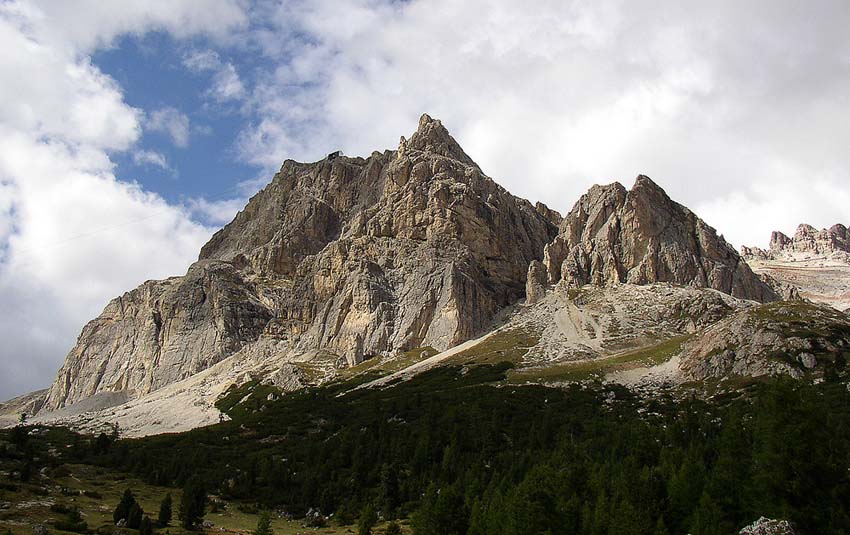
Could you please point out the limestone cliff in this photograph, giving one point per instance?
(640, 236)
(340, 259)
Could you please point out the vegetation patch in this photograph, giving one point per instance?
(598, 368)
(504, 346)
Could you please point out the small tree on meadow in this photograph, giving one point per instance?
(165, 511)
(192, 504)
(264, 524)
(134, 516)
(368, 519)
(122, 510)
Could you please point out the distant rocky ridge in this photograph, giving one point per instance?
(351, 259)
(813, 264)
(807, 242)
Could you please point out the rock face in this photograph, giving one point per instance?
(641, 236)
(806, 243)
(340, 259)
(777, 338)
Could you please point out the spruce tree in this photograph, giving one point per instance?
(367, 520)
(122, 510)
(192, 504)
(264, 524)
(165, 511)
(134, 516)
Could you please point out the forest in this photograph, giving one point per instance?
(458, 451)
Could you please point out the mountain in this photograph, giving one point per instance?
(813, 264)
(337, 260)
(404, 261)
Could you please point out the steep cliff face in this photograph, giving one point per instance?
(343, 259)
(641, 236)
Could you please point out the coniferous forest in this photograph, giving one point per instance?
(458, 451)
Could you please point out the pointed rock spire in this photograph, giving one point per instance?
(432, 136)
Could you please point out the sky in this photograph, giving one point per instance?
(130, 131)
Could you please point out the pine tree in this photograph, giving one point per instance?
(367, 520)
(264, 524)
(122, 510)
(165, 511)
(134, 516)
(192, 504)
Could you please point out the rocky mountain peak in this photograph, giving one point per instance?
(432, 137)
(641, 236)
(332, 262)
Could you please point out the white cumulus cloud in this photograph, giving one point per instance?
(72, 234)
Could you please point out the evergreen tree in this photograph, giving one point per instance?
(122, 510)
(146, 527)
(264, 524)
(192, 504)
(367, 520)
(442, 512)
(134, 516)
(165, 512)
(389, 490)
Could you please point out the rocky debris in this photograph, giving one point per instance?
(789, 338)
(593, 322)
(813, 265)
(340, 259)
(766, 526)
(641, 236)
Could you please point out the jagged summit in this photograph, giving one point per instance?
(431, 136)
(640, 236)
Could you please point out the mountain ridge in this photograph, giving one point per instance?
(376, 263)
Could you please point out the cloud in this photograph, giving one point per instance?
(172, 122)
(717, 101)
(226, 83)
(216, 213)
(72, 233)
(150, 157)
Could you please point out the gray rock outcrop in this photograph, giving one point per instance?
(640, 236)
(782, 338)
(340, 259)
(766, 526)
